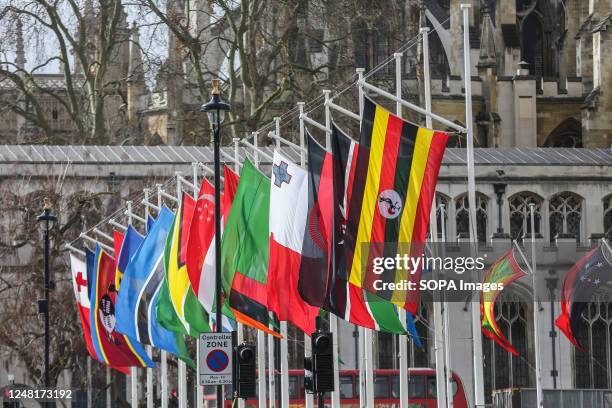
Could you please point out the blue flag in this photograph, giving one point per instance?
(140, 286)
(150, 222)
(411, 328)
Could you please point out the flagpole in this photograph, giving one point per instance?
(239, 327)
(309, 400)
(284, 349)
(182, 367)
(536, 324)
(89, 385)
(440, 347)
(148, 347)
(108, 387)
(362, 330)
(199, 388)
(271, 368)
(163, 354)
(367, 380)
(261, 337)
(475, 309)
(447, 354)
(133, 370)
(403, 339)
(333, 319)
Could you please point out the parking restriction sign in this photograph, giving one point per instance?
(215, 363)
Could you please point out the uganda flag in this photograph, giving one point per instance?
(504, 271)
(396, 172)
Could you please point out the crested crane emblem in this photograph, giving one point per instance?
(389, 204)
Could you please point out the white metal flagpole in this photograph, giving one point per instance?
(536, 321)
(447, 353)
(367, 333)
(475, 307)
(182, 367)
(309, 400)
(199, 388)
(403, 340)
(163, 354)
(133, 370)
(284, 349)
(440, 345)
(333, 319)
(271, 366)
(149, 349)
(261, 337)
(239, 327)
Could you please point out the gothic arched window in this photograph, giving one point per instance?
(532, 44)
(520, 216)
(462, 216)
(502, 369)
(567, 134)
(594, 332)
(607, 207)
(565, 212)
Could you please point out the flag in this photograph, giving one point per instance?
(319, 284)
(245, 250)
(130, 243)
(178, 308)
(150, 222)
(589, 274)
(504, 271)
(79, 283)
(201, 244)
(140, 287)
(396, 171)
(230, 185)
(287, 220)
(111, 347)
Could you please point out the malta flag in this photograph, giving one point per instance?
(287, 221)
(79, 283)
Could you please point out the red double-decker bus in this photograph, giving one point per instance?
(421, 390)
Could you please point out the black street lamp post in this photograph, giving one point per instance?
(47, 220)
(215, 109)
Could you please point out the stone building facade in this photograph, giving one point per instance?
(540, 69)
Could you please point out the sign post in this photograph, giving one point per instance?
(215, 365)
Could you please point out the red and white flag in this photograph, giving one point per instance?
(79, 283)
(201, 241)
(288, 214)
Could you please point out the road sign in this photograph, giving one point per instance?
(215, 362)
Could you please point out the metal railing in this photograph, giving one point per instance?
(526, 398)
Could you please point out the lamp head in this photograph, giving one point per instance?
(215, 108)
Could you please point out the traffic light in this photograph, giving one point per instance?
(319, 369)
(245, 371)
(322, 361)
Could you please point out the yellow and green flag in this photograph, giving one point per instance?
(178, 309)
(504, 271)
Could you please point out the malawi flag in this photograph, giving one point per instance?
(319, 283)
(178, 308)
(245, 250)
(79, 283)
(200, 260)
(287, 220)
(111, 347)
(504, 271)
(396, 172)
(590, 274)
